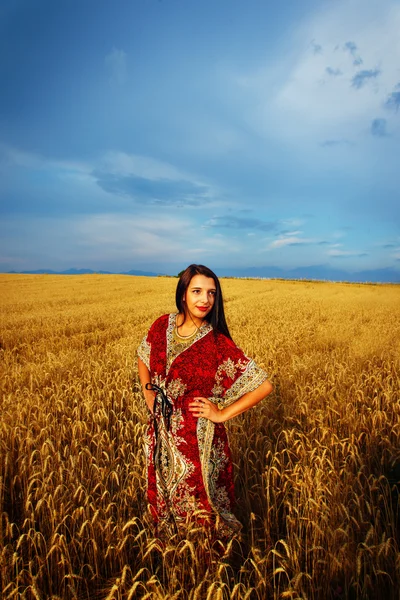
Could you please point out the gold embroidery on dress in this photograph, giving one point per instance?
(213, 460)
(144, 352)
(229, 368)
(205, 434)
(176, 388)
(174, 347)
(175, 497)
(177, 422)
(252, 377)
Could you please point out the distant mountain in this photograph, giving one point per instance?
(67, 272)
(85, 272)
(315, 272)
(380, 276)
(142, 273)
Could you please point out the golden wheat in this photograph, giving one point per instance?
(317, 465)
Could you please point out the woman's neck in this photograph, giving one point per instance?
(187, 323)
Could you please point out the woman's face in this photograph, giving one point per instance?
(200, 296)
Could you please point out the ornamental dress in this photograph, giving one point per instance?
(189, 466)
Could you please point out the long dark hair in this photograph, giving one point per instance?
(216, 316)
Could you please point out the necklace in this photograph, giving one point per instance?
(185, 337)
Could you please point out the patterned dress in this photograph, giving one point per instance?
(189, 465)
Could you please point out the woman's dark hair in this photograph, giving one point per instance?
(216, 316)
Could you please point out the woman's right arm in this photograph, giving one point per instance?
(144, 377)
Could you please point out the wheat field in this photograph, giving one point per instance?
(317, 463)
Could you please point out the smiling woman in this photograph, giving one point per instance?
(194, 379)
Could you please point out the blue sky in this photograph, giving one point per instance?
(150, 134)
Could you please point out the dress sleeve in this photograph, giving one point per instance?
(236, 374)
(144, 350)
(152, 339)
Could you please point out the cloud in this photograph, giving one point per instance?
(121, 163)
(291, 233)
(110, 182)
(345, 254)
(360, 78)
(145, 178)
(297, 101)
(352, 48)
(316, 48)
(291, 241)
(378, 127)
(116, 65)
(333, 72)
(393, 100)
(154, 191)
(332, 143)
(233, 222)
(15, 157)
(293, 223)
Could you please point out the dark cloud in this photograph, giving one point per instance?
(286, 231)
(362, 77)
(323, 243)
(393, 100)
(316, 48)
(352, 48)
(378, 127)
(332, 143)
(154, 191)
(301, 243)
(333, 72)
(350, 255)
(232, 222)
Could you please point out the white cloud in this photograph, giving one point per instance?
(116, 65)
(290, 241)
(133, 235)
(121, 163)
(12, 156)
(165, 238)
(343, 253)
(294, 222)
(293, 233)
(296, 99)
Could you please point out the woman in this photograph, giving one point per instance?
(194, 378)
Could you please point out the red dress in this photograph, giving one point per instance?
(189, 465)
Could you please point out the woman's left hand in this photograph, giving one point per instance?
(203, 407)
